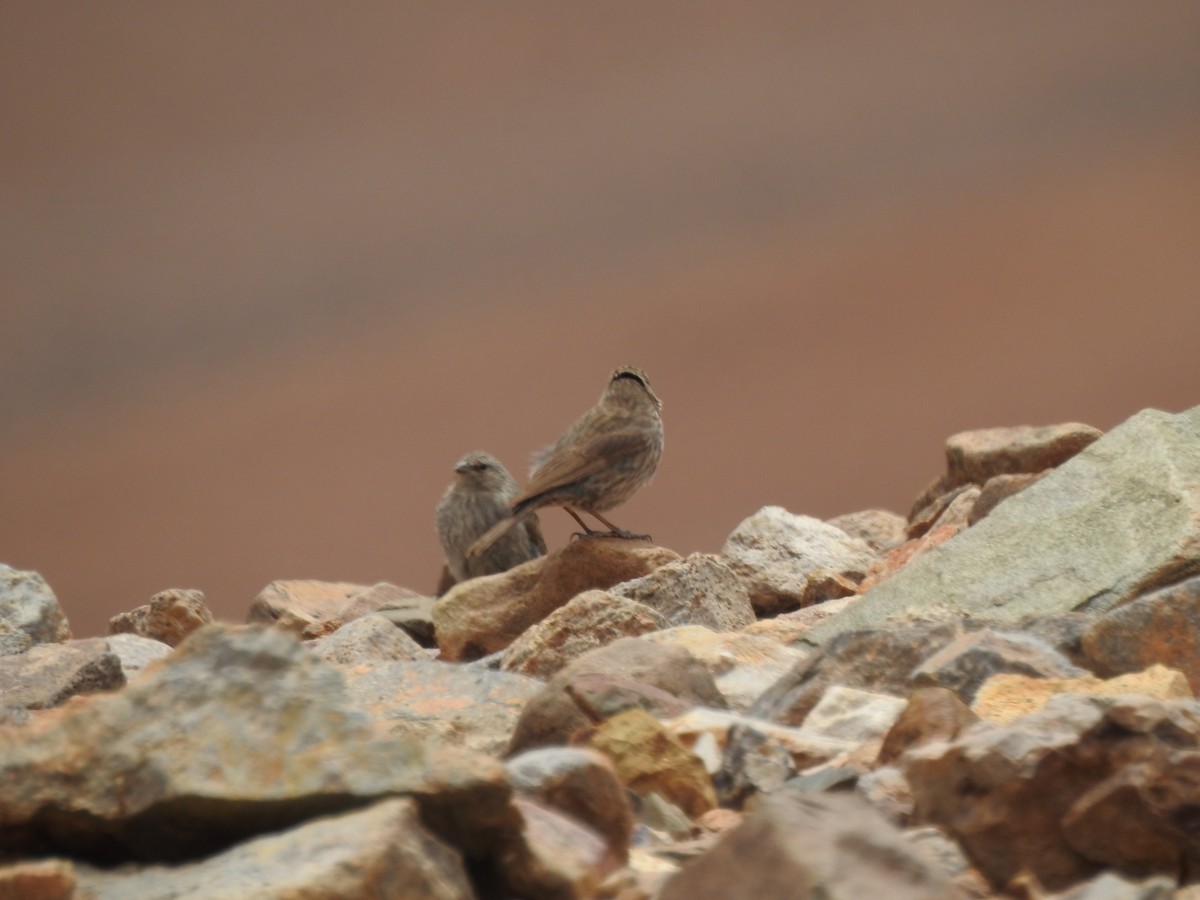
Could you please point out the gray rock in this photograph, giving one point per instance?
(136, 652)
(878, 659)
(788, 561)
(29, 612)
(849, 714)
(1064, 543)
(47, 675)
(697, 590)
(381, 851)
(411, 611)
(369, 639)
(832, 846)
(968, 661)
(753, 763)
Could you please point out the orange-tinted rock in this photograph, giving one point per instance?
(170, 616)
(649, 759)
(486, 614)
(932, 714)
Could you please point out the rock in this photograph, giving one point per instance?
(1064, 543)
(587, 621)
(753, 763)
(442, 705)
(648, 758)
(1108, 886)
(787, 561)
(743, 665)
(878, 659)
(697, 590)
(408, 610)
(969, 660)
(598, 696)
(882, 529)
(849, 714)
(1084, 784)
(240, 731)
(370, 639)
(29, 612)
(552, 716)
(790, 628)
(710, 733)
(367, 853)
(793, 845)
(998, 488)
(663, 817)
(947, 857)
(46, 675)
(823, 779)
(931, 714)
(1160, 627)
(1064, 633)
(956, 513)
(565, 858)
(895, 560)
(976, 456)
(488, 613)
(312, 609)
(581, 783)
(1006, 697)
(169, 617)
(888, 792)
(43, 879)
(135, 652)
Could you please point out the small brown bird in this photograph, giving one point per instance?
(479, 497)
(598, 463)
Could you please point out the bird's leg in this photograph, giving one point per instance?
(614, 531)
(587, 532)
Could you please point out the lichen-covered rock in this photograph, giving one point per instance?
(442, 705)
(29, 612)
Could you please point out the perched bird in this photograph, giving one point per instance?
(597, 464)
(479, 497)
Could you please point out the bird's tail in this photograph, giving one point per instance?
(485, 541)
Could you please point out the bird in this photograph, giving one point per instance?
(597, 464)
(478, 498)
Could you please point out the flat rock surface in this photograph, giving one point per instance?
(1063, 543)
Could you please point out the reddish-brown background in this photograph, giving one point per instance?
(269, 269)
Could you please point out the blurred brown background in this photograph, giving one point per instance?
(269, 269)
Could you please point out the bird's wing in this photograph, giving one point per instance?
(570, 465)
